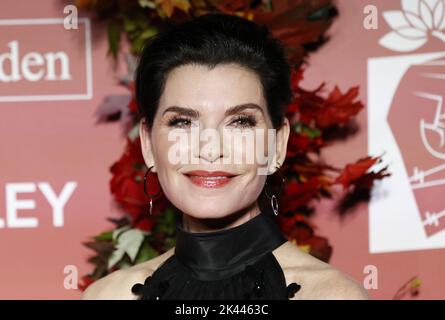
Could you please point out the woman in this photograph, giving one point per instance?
(229, 78)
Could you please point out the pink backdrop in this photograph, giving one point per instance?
(49, 142)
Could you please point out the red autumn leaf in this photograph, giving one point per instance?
(299, 144)
(352, 172)
(232, 6)
(84, 4)
(86, 282)
(290, 22)
(299, 194)
(318, 247)
(168, 6)
(145, 224)
(296, 77)
(288, 223)
(310, 168)
(299, 229)
(145, 221)
(291, 109)
(126, 184)
(310, 102)
(339, 108)
(133, 106)
(367, 180)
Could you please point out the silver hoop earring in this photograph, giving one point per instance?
(273, 198)
(145, 190)
(274, 204)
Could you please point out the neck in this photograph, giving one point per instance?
(224, 252)
(192, 224)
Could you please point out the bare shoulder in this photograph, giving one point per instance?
(117, 285)
(318, 280)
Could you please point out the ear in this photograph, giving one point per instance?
(281, 145)
(146, 146)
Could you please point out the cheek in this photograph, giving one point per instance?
(256, 184)
(161, 150)
(249, 148)
(248, 190)
(169, 146)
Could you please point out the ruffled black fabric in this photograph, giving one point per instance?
(230, 264)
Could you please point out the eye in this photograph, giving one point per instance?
(244, 121)
(179, 121)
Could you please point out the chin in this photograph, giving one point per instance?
(203, 211)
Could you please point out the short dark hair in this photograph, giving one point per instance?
(209, 40)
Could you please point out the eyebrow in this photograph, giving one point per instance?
(196, 114)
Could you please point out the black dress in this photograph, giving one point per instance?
(233, 264)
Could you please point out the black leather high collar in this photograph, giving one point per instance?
(218, 254)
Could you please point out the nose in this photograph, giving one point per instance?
(210, 145)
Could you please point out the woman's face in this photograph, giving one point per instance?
(196, 127)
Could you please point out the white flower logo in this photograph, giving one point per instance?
(418, 20)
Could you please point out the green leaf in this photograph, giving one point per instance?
(170, 242)
(105, 236)
(305, 130)
(139, 41)
(114, 37)
(146, 253)
(100, 271)
(311, 132)
(100, 246)
(320, 14)
(148, 33)
(130, 25)
(141, 20)
(96, 260)
(166, 222)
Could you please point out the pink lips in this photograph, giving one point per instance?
(207, 179)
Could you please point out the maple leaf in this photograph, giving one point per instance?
(339, 108)
(231, 6)
(299, 194)
(167, 6)
(301, 232)
(86, 281)
(299, 24)
(297, 75)
(410, 287)
(84, 4)
(355, 173)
